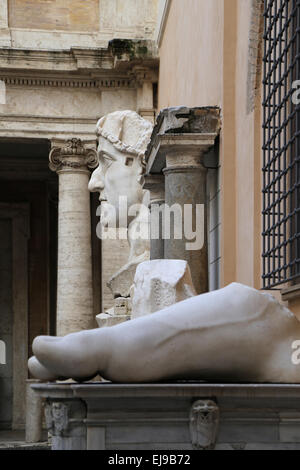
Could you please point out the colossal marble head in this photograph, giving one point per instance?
(123, 139)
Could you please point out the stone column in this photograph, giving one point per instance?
(180, 139)
(72, 161)
(156, 186)
(145, 100)
(185, 185)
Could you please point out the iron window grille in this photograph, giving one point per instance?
(281, 143)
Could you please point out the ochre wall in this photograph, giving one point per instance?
(67, 15)
(249, 160)
(191, 54)
(205, 61)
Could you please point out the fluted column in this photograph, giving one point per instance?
(72, 160)
(156, 186)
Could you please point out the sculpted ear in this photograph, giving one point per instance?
(129, 161)
(141, 179)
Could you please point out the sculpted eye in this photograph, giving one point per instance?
(107, 160)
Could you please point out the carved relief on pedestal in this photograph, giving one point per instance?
(62, 417)
(56, 415)
(204, 424)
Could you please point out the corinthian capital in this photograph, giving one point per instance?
(73, 155)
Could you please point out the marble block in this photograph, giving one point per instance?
(159, 284)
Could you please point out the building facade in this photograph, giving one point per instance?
(225, 67)
(241, 56)
(63, 66)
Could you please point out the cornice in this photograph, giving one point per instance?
(123, 64)
(59, 82)
(48, 119)
(119, 56)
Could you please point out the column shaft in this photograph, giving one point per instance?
(74, 271)
(186, 186)
(74, 276)
(156, 185)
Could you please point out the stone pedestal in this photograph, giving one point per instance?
(34, 413)
(180, 415)
(72, 160)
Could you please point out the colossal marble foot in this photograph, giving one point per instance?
(233, 334)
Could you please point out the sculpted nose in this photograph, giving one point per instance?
(96, 183)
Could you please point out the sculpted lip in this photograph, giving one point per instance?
(102, 196)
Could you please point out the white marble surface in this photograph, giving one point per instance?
(123, 139)
(159, 284)
(235, 334)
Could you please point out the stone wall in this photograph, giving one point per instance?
(191, 54)
(62, 24)
(66, 15)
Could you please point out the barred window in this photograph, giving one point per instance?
(281, 143)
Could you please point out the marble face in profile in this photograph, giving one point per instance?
(119, 174)
(123, 137)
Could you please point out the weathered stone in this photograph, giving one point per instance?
(204, 424)
(178, 149)
(64, 421)
(160, 416)
(159, 284)
(34, 414)
(106, 320)
(179, 120)
(122, 306)
(118, 314)
(121, 282)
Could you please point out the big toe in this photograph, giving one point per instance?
(39, 371)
